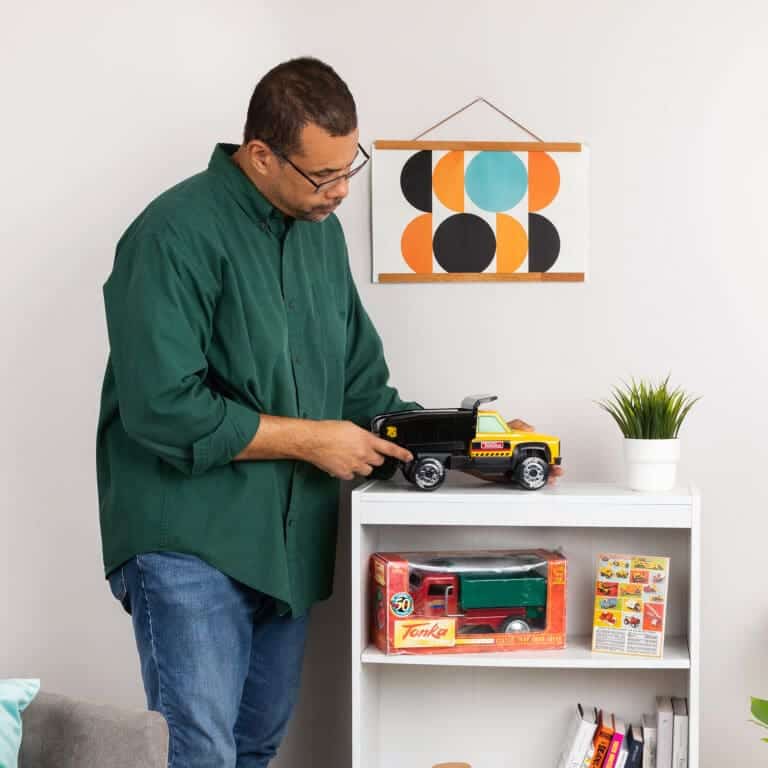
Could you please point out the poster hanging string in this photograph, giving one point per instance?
(472, 103)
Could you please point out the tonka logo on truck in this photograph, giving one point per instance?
(420, 634)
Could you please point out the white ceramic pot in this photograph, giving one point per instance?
(651, 464)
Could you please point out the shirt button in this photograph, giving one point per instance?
(291, 305)
(290, 523)
(297, 360)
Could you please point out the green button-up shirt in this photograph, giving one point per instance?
(219, 309)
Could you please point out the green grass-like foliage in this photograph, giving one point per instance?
(759, 709)
(647, 412)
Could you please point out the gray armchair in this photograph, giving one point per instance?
(60, 732)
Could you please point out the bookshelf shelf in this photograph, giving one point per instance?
(493, 709)
(578, 655)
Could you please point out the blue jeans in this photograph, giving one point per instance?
(217, 661)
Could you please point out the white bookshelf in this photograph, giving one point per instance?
(511, 709)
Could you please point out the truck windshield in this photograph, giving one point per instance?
(490, 423)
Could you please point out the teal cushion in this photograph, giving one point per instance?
(14, 697)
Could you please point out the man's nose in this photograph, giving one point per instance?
(339, 190)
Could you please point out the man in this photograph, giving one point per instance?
(242, 377)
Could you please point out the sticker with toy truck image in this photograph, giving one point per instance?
(633, 622)
(468, 439)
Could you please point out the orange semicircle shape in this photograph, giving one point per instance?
(511, 243)
(416, 244)
(448, 180)
(543, 180)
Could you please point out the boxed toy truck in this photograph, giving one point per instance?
(468, 602)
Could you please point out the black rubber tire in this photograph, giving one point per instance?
(532, 472)
(428, 473)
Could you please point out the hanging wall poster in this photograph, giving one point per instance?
(446, 211)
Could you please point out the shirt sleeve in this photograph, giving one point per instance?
(367, 392)
(160, 301)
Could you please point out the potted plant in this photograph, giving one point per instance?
(650, 418)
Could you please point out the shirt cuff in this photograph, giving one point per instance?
(236, 430)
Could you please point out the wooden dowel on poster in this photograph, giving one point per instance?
(487, 146)
(482, 277)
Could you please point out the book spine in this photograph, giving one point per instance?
(602, 742)
(664, 732)
(635, 758)
(613, 751)
(680, 750)
(581, 744)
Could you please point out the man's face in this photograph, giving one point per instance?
(322, 158)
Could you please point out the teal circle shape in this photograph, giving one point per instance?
(496, 181)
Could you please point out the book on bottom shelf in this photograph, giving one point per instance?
(634, 746)
(617, 740)
(663, 732)
(578, 740)
(649, 741)
(602, 739)
(680, 733)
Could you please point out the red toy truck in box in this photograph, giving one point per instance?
(431, 602)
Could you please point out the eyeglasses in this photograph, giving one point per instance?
(318, 185)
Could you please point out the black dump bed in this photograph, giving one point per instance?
(440, 430)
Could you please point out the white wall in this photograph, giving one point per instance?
(104, 105)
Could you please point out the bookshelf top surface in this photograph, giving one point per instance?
(459, 486)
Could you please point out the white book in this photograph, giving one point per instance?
(663, 732)
(680, 733)
(587, 724)
(581, 729)
(649, 741)
(621, 760)
(588, 755)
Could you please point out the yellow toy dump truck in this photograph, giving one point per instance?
(466, 438)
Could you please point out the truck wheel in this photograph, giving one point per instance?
(407, 470)
(515, 625)
(532, 473)
(428, 473)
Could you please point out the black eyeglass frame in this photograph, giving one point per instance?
(328, 182)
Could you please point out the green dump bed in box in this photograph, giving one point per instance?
(484, 591)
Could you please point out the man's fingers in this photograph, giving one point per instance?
(376, 459)
(520, 424)
(392, 449)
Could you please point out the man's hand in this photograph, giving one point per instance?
(340, 448)
(520, 425)
(343, 450)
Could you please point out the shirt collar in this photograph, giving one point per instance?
(244, 191)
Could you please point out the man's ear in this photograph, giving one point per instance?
(260, 157)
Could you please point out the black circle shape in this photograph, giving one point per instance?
(543, 243)
(464, 243)
(416, 180)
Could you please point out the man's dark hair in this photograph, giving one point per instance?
(294, 94)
